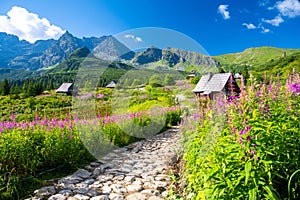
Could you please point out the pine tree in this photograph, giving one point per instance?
(245, 74)
(5, 87)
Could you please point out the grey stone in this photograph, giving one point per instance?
(57, 197)
(70, 179)
(82, 173)
(66, 192)
(45, 191)
(89, 181)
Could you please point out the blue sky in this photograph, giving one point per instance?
(220, 26)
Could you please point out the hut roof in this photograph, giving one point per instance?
(65, 87)
(212, 82)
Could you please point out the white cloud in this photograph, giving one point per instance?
(28, 26)
(138, 39)
(289, 8)
(249, 26)
(135, 38)
(274, 22)
(129, 36)
(265, 30)
(223, 10)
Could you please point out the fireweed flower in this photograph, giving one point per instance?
(37, 118)
(12, 117)
(100, 96)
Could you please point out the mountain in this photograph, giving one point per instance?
(111, 49)
(18, 54)
(149, 55)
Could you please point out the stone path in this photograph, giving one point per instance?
(137, 172)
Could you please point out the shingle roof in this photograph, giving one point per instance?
(64, 87)
(201, 84)
(215, 83)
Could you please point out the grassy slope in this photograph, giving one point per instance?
(253, 57)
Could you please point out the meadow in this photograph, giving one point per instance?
(41, 139)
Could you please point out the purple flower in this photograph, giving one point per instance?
(70, 127)
(100, 96)
(248, 138)
(252, 151)
(254, 144)
(37, 118)
(257, 94)
(71, 136)
(12, 117)
(258, 158)
(61, 125)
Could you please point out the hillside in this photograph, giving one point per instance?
(252, 57)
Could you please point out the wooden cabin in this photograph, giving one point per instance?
(215, 86)
(67, 88)
(112, 84)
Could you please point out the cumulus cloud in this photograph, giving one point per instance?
(135, 38)
(223, 10)
(274, 22)
(265, 30)
(289, 8)
(28, 26)
(249, 26)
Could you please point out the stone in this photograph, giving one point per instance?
(114, 196)
(45, 191)
(66, 192)
(70, 179)
(136, 196)
(134, 188)
(82, 173)
(89, 181)
(129, 179)
(101, 197)
(160, 184)
(106, 189)
(72, 198)
(57, 197)
(81, 197)
(92, 193)
(150, 192)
